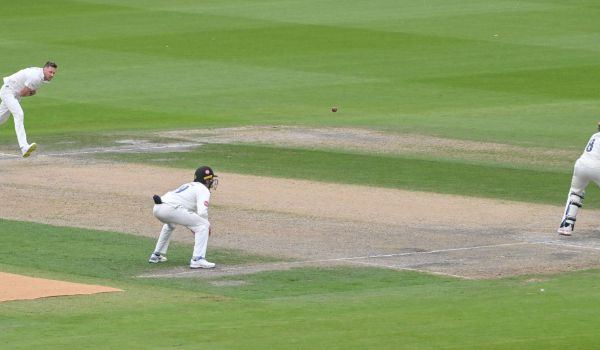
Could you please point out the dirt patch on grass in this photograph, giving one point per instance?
(380, 142)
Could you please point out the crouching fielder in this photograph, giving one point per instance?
(186, 206)
(586, 169)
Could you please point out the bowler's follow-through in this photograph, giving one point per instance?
(21, 84)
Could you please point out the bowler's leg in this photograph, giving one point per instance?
(19, 118)
(14, 107)
(4, 113)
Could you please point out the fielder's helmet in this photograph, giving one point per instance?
(205, 175)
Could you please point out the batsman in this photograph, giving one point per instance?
(586, 169)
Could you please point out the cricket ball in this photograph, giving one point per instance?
(334, 109)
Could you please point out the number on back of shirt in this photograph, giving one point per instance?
(182, 188)
(590, 145)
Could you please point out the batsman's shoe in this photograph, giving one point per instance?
(27, 150)
(157, 258)
(566, 230)
(201, 263)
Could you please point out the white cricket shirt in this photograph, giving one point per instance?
(193, 196)
(591, 153)
(32, 78)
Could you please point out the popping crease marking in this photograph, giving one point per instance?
(429, 252)
(6, 155)
(116, 150)
(107, 150)
(398, 267)
(569, 245)
(358, 258)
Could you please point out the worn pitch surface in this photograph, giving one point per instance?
(307, 222)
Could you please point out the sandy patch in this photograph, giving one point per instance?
(18, 287)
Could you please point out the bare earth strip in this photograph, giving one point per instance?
(17, 287)
(316, 223)
(380, 142)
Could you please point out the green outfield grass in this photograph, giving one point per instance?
(327, 308)
(512, 72)
(477, 70)
(472, 69)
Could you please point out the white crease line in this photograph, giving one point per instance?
(354, 259)
(108, 150)
(429, 251)
(569, 245)
(397, 267)
(243, 267)
(117, 150)
(7, 155)
(357, 258)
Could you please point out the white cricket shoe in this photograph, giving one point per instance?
(201, 263)
(565, 230)
(157, 258)
(27, 150)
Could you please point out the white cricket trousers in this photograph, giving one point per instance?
(584, 172)
(177, 215)
(11, 104)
